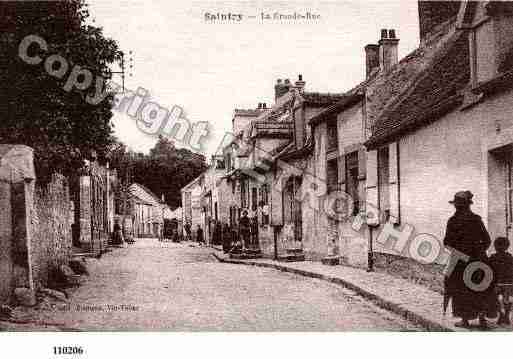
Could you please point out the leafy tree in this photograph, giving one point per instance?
(165, 170)
(62, 127)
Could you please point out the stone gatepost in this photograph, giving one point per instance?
(17, 186)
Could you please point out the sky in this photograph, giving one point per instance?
(209, 68)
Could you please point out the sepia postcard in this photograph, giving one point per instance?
(255, 166)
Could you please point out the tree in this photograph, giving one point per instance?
(62, 127)
(165, 170)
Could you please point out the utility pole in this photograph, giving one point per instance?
(122, 67)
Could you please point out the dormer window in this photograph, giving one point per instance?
(482, 53)
(490, 39)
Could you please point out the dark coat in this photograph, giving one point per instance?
(227, 239)
(199, 235)
(245, 224)
(502, 265)
(467, 234)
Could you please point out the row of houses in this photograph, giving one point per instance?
(314, 168)
(44, 225)
(142, 213)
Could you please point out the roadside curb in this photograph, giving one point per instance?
(380, 301)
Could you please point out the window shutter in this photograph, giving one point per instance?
(276, 204)
(372, 177)
(342, 172)
(394, 183)
(362, 163)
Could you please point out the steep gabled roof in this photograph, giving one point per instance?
(435, 91)
(321, 99)
(148, 191)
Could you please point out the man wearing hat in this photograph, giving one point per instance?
(467, 234)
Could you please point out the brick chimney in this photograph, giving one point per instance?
(371, 58)
(434, 13)
(281, 88)
(388, 55)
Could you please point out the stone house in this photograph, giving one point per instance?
(192, 210)
(147, 210)
(234, 184)
(340, 158)
(213, 196)
(265, 166)
(449, 128)
(206, 200)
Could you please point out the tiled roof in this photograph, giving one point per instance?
(321, 99)
(147, 190)
(334, 109)
(290, 152)
(249, 112)
(433, 92)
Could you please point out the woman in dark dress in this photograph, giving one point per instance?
(467, 234)
(227, 238)
(199, 235)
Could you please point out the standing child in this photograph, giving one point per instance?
(502, 265)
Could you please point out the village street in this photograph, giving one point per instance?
(177, 287)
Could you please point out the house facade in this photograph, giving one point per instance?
(147, 210)
(192, 212)
(268, 164)
(450, 129)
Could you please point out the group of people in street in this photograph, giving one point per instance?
(119, 237)
(467, 235)
(231, 237)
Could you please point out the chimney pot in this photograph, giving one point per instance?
(300, 77)
(264, 105)
(388, 55)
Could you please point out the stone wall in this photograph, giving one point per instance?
(51, 237)
(35, 223)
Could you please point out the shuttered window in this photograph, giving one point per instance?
(352, 179)
(332, 175)
(254, 199)
(384, 182)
